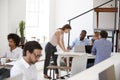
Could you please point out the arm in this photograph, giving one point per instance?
(15, 71)
(73, 44)
(94, 50)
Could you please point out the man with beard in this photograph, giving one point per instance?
(25, 66)
(82, 41)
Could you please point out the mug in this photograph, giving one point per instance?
(3, 61)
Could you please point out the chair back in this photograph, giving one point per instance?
(78, 64)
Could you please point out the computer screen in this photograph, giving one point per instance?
(88, 48)
(107, 74)
(79, 48)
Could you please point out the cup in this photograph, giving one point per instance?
(3, 61)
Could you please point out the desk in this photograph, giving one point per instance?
(72, 54)
(92, 73)
(7, 66)
(79, 59)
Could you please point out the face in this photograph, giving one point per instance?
(67, 30)
(11, 43)
(95, 37)
(34, 57)
(82, 36)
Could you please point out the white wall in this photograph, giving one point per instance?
(11, 12)
(3, 24)
(67, 9)
(17, 11)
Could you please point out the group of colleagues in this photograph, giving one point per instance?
(32, 51)
(101, 46)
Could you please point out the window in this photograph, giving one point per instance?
(37, 20)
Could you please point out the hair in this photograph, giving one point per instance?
(66, 26)
(14, 37)
(31, 46)
(96, 33)
(103, 34)
(84, 31)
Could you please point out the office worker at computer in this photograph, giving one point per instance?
(81, 40)
(31, 54)
(102, 47)
(14, 52)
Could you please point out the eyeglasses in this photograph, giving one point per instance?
(37, 56)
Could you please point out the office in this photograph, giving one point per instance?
(59, 15)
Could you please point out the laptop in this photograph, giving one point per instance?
(88, 48)
(79, 48)
(107, 74)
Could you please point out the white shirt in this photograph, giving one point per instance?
(14, 54)
(22, 67)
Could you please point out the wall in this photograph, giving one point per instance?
(67, 9)
(17, 11)
(11, 12)
(3, 24)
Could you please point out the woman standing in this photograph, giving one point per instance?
(50, 49)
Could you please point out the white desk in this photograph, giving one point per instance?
(72, 54)
(92, 73)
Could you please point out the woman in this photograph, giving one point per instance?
(50, 49)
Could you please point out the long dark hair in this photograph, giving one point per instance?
(66, 26)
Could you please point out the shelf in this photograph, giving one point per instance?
(105, 9)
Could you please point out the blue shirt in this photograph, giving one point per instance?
(77, 41)
(102, 49)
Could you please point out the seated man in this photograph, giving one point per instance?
(81, 40)
(102, 48)
(25, 66)
(14, 52)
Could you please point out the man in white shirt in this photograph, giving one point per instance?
(14, 52)
(31, 53)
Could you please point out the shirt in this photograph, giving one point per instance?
(22, 67)
(77, 41)
(102, 49)
(14, 54)
(53, 39)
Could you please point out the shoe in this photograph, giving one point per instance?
(47, 77)
(60, 78)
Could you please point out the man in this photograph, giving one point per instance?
(14, 52)
(31, 54)
(102, 48)
(81, 40)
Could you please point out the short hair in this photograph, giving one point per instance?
(103, 34)
(14, 37)
(84, 31)
(31, 46)
(97, 33)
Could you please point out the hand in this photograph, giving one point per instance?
(68, 48)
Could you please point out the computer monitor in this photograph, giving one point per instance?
(88, 48)
(107, 74)
(79, 48)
